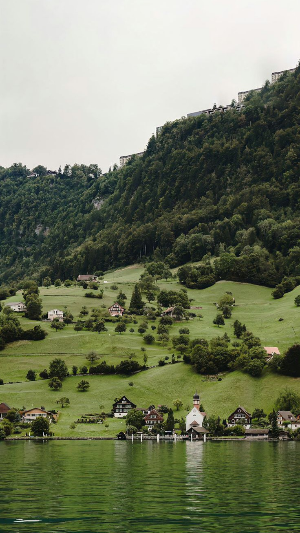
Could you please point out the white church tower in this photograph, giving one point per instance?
(195, 417)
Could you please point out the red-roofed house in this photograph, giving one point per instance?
(116, 310)
(3, 410)
(271, 350)
(153, 418)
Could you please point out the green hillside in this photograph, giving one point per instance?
(205, 186)
(160, 385)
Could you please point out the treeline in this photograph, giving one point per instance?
(225, 186)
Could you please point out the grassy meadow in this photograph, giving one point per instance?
(160, 385)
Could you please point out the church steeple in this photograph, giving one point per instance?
(196, 400)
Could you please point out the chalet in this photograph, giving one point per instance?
(270, 352)
(18, 307)
(286, 418)
(195, 417)
(116, 310)
(3, 410)
(257, 433)
(240, 416)
(32, 414)
(153, 419)
(122, 406)
(87, 277)
(55, 313)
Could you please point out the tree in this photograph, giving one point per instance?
(219, 320)
(83, 385)
(40, 170)
(57, 283)
(297, 301)
(31, 375)
(47, 282)
(136, 303)
(92, 357)
(57, 325)
(178, 404)
(290, 365)
(40, 426)
(238, 328)
(33, 307)
(55, 383)
(63, 401)
(74, 370)
(120, 328)
(169, 425)
(274, 426)
(258, 414)
(149, 339)
(99, 326)
(288, 400)
(135, 418)
(58, 369)
(227, 311)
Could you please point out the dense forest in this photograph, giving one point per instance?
(224, 186)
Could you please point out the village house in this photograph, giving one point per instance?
(153, 419)
(3, 410)
(195, 417)
(87, 277)
(55, 313)
(122, 406)
(240, 416)
(32, 414)
(18, 307)
(270, 352)
(116, 310)
(286, 418)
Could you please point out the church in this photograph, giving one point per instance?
(195, 417)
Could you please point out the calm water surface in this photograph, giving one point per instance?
(116, 486)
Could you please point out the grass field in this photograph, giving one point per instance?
(254, 306)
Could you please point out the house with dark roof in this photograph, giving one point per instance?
(122, 406)
(240, 416)
(3, 410)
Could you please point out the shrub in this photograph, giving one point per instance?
(83, 385)
(31, 375)
(44, 374)
(149, 339)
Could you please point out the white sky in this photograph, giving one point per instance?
(85, 81)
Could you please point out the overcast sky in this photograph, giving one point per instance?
(86, 81)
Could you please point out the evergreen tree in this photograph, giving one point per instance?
(170, 421)
(136, 303)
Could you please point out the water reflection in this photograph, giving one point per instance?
(89, 487)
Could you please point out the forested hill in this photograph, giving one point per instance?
(226, 185)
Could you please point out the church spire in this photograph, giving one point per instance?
(196, 400)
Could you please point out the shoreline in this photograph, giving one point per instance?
(152, 438)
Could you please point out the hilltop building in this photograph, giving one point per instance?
(277, 75)
(125, 158)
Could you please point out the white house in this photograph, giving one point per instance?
(195, 417)
(32, 414)
(55, 313)
(18, 307)
(289, 419)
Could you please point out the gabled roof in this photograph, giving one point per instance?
(243, 411)
(198, 429)
(287, 416)
(124, 400)
(154, 412)
(4, 408)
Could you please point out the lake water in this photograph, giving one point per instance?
(117, 486)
